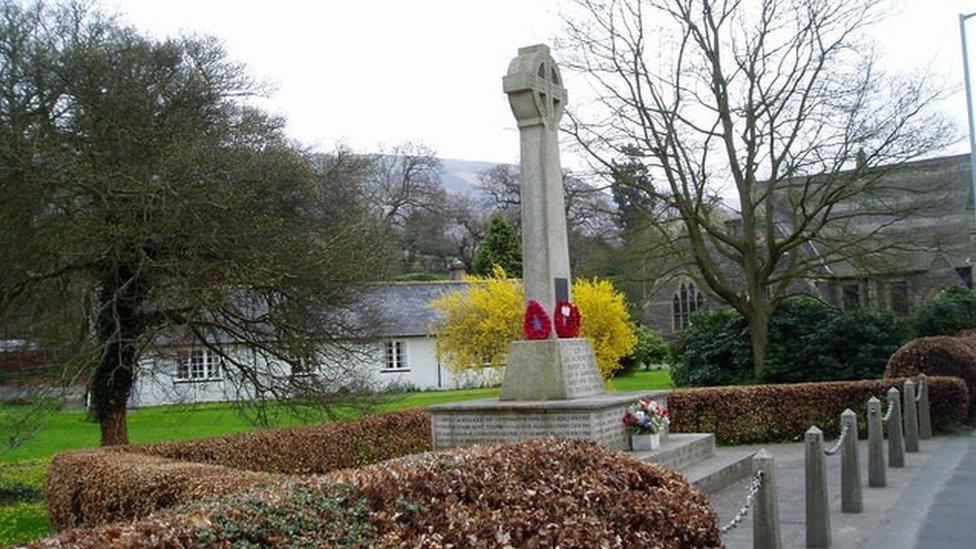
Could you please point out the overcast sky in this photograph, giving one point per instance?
(383, 72)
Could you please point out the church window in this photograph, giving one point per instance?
(686, 301)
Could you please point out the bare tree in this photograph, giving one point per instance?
(588, 208)
(779, 104)
(404, 178)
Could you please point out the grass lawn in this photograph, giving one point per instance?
(23, 513)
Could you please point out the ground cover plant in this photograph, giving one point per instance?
(23, 511)
(782, 413)
(479, 496)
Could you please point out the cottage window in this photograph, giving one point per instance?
(686, 301)
(199, 365)
(395, 355)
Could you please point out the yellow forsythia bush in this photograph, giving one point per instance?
(479, 323)
(606, 322)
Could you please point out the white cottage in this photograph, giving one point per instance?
(403, 355)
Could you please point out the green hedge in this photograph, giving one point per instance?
(782, 413)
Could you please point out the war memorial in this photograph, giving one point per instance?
(552, 386)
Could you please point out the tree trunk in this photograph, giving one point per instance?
(759, 339)
(118, 326)
(114, 430)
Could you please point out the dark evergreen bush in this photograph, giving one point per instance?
(808, 341)
(714, 350)
(831, 345)
(950, 312)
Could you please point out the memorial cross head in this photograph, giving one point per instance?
(534, 88)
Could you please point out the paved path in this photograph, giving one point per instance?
(951, 520)
(929, 503)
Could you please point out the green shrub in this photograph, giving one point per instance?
(715, 350)
(950, 312)
(782, 413)
(808, 341)
(651, 349)
(831, 346)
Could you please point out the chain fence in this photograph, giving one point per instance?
(744, 510)
(891, 410)
(840, 440)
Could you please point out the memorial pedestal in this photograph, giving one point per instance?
(551, 369)
(596, 418)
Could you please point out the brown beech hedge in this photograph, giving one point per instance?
(781, 413)
(307, 450)
(127, 482)
(538, 493)
(938, 356)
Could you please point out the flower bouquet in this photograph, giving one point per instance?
(646, 420)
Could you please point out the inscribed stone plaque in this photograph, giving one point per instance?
(551, 369)
(562, 290)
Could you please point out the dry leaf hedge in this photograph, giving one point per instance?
(307, 450)
(781, 413)
(537, 493)
(938, 356)
(91, 488)
(127, 482)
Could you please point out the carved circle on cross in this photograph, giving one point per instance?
(547, 93)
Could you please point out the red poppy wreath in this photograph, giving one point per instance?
(537, 324)
(567, 319)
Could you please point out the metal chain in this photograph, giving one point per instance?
(840, 440)
(744, 510)
(891, 410)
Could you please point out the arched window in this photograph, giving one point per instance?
(686, 301)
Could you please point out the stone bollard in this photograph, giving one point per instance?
(876, 459)
(910, 412)
(851, 497)
(924, 412)
(817, 502)
(896, 448)
(765, 519)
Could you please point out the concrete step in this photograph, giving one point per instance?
(726, 467)
(680, 450)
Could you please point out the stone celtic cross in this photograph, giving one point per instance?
(537, 98)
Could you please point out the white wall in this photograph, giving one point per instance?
(156, 382)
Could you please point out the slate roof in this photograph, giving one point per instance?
(939, 232)
(405, 306)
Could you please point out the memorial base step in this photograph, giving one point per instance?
(680, 450)
(694, 456)
(722, 470)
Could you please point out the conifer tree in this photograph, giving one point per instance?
(500, 247)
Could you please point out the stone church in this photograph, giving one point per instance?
(942, 255)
